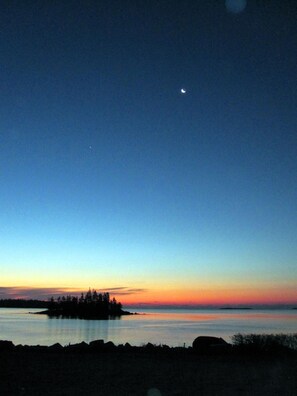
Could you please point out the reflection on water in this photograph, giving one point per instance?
(171, 327)
(76, 330)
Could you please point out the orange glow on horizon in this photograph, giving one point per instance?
(179, 296)
(212, 297)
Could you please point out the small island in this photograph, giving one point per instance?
(92, 305)
(238, 308)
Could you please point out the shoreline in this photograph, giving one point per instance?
(202, 345)
(100, 369)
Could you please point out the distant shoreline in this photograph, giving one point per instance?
(244, 308)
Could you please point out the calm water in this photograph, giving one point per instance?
(171, 327)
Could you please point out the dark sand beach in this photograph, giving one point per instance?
(134, 371)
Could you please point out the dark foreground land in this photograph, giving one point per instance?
(136, 371)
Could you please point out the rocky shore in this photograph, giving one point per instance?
(209, 367)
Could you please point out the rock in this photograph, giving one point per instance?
(97, 344)
(55, 347)
(149, 346)
(109, 346)
(166, 347)
(6, 345)
(38, 348)
(207, 344)
(82, 346)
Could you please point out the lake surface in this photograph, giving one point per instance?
(172, 327)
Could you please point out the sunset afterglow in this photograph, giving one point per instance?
(149, 149)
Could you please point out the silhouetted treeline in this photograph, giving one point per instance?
(21, 303)
(89, 305)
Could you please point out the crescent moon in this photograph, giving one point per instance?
(183, 91)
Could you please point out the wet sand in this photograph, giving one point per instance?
(136, 371)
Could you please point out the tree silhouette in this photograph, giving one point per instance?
(90, 305)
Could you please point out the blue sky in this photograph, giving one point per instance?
(108, 174)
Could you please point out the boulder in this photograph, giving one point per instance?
(6, 345)
(149, 346)
(109, 346)
(97, 344)
(165, 347)
(38, 348)
(207, 344)
(81, 347)
(55, 347)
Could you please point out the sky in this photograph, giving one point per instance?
(113, 179)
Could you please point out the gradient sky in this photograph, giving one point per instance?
(110, 178)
